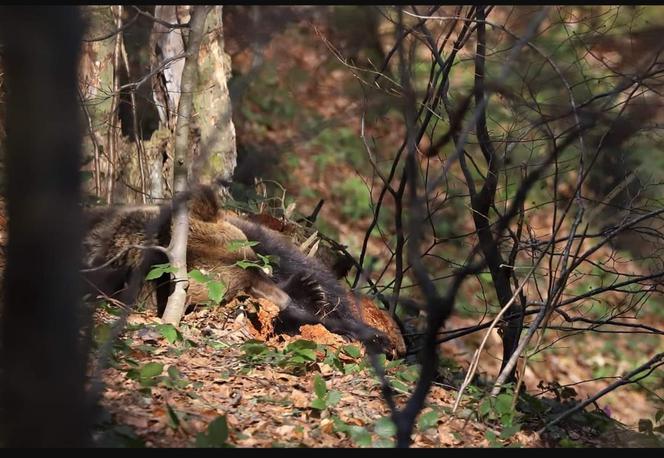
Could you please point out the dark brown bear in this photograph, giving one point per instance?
(117, 247)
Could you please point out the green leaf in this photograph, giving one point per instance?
(332, 360)
(339, 425)
(295, 360)
(408, 375)
(154, 273)
(218, 431)
(485, 407)
(383, 442)
(216, 435)
(235, 245)
(319, 404)
(202, 440)
(169, 269)
(491, 437)
(169, 332)
(133, 374)
(319, 386)
(400, 386)
(659, 415)
(385, 427)
(360, 436)
(394, 363)
(266, 259)
(102, 333)
(503, 403)
(198, 276)
(151, 370)
(173, 372)
(351, 368)
(254, 347)
(427, 420)
(132, 362)
(510, 431)
(218, 345)
(173, 416)
(301, 344)
(158, 270)
(308, 355)
(333, 398)
(247, 264)
(146, 383)
(352, 350)
(216, 290)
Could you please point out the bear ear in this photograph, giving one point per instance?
(205, 204)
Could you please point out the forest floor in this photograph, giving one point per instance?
(213, 384)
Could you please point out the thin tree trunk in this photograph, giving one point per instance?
(43, 362)
(113, 122)
(180, 226)
(481, 203)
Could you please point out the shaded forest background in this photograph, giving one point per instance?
(330, 106)
(307, 131)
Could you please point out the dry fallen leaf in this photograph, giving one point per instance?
(300, 399)
(285, 430)
(327, 426)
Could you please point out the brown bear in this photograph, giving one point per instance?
(121, 241)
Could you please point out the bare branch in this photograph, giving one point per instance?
(159, 21)
(653, 363)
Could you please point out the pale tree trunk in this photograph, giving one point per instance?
(216, 155)
(124, 168)
(167, 43)
(180, 225)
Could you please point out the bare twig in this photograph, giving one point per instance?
(165, 63)
(122, 253)
(160, 21)
(112, 33)
(95, 144)
(653, 363)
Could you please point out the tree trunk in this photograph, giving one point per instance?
(180, 226)
(166, 43)
(97, 72)
(43, 362)
(216, 155)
